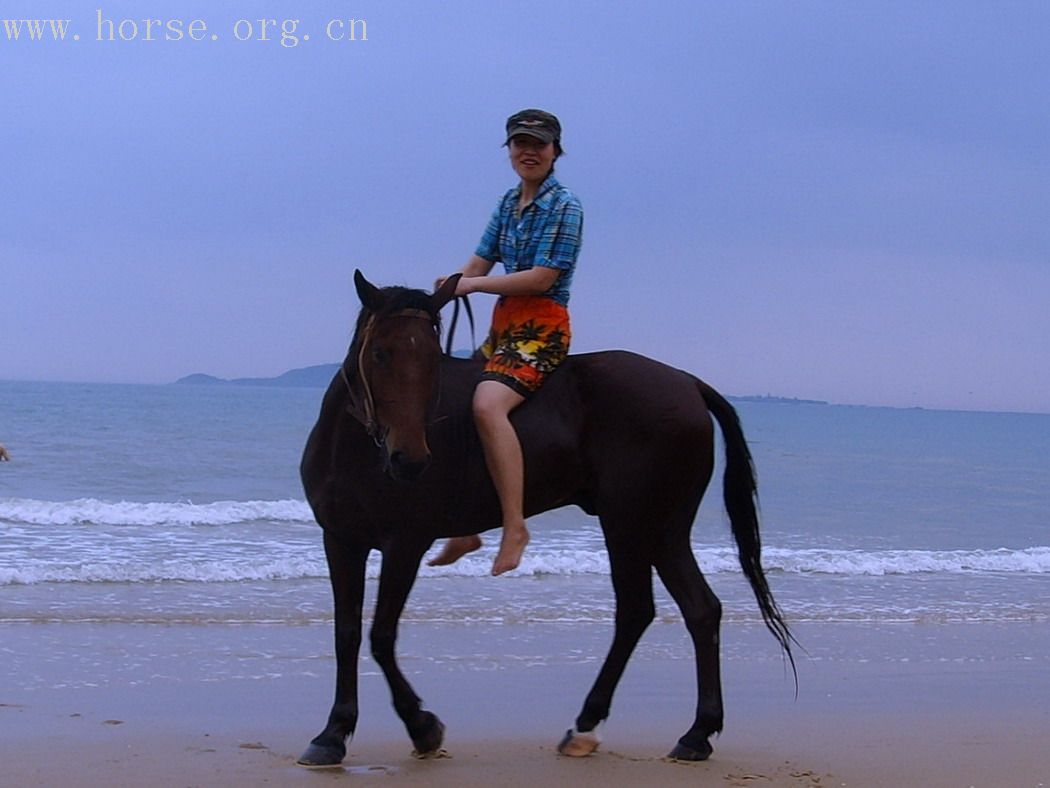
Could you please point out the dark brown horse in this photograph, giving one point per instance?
(394, 463)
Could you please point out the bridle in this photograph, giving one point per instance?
(364, 409)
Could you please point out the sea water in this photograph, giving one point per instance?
(181, 504)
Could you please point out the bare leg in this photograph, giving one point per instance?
(493, 402)
(454, 549)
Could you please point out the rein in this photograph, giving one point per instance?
(455, 320)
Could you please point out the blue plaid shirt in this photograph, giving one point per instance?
(548, 233)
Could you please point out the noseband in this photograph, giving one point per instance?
(364, 409)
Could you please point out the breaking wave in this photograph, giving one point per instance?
(90, 511)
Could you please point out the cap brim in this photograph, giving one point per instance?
(541, 134)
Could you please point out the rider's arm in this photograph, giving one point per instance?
(476, 266)
(534, 281)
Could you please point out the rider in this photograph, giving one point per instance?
(535, 232)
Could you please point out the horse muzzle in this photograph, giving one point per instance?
(404, 469)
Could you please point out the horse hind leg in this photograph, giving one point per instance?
(633, 584)
(703, 614)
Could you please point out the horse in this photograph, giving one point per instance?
(394, 463)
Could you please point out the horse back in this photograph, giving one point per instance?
(611, 400)
(645, 433)
(617, 386)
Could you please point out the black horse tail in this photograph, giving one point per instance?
(740, 492)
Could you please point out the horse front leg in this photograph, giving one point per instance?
(632, 579)
(397, 576)
(346, 567)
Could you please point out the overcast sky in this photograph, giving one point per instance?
(845, 201)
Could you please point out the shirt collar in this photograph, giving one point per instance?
(544, 196)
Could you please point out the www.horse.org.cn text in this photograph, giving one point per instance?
(107, 28)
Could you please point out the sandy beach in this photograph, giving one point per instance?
(168, 623)
(878, 705)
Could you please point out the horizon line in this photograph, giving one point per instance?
(773, 399)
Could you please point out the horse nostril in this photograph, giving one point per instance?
(404, 469)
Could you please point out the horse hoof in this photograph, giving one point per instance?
(427, 738)
(322, 755)
(577, 744)
(683, 752)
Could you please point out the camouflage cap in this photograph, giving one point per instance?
(535, 123)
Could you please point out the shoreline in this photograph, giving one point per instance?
(221, 705)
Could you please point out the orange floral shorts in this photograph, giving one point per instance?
(529, 338)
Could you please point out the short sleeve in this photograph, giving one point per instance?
(559, 245)
(488, 247)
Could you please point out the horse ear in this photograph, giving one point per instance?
(370, 295)
(446, 292)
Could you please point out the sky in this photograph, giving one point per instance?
(844, 201)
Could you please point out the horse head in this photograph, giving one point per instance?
(391, 370)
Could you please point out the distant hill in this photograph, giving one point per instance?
(776, 400)
(321, 375)
(317, 376)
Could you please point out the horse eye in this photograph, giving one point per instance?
(379, 355)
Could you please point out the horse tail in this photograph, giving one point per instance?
(740, 492)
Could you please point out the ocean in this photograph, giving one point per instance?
(181, 504)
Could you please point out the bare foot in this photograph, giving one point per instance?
(511, 548)
(454, 549)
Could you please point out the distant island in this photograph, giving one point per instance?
(320, 375)
(778, 400)
(317, 376)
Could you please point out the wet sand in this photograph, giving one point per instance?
(221, 705)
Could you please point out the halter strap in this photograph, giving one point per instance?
(422, 314)
(364, 410)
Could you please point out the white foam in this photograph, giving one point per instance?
(565, 563)
(1032, 560)
(48, 541)
(187, 571)
(570, 562)
(91, 511)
